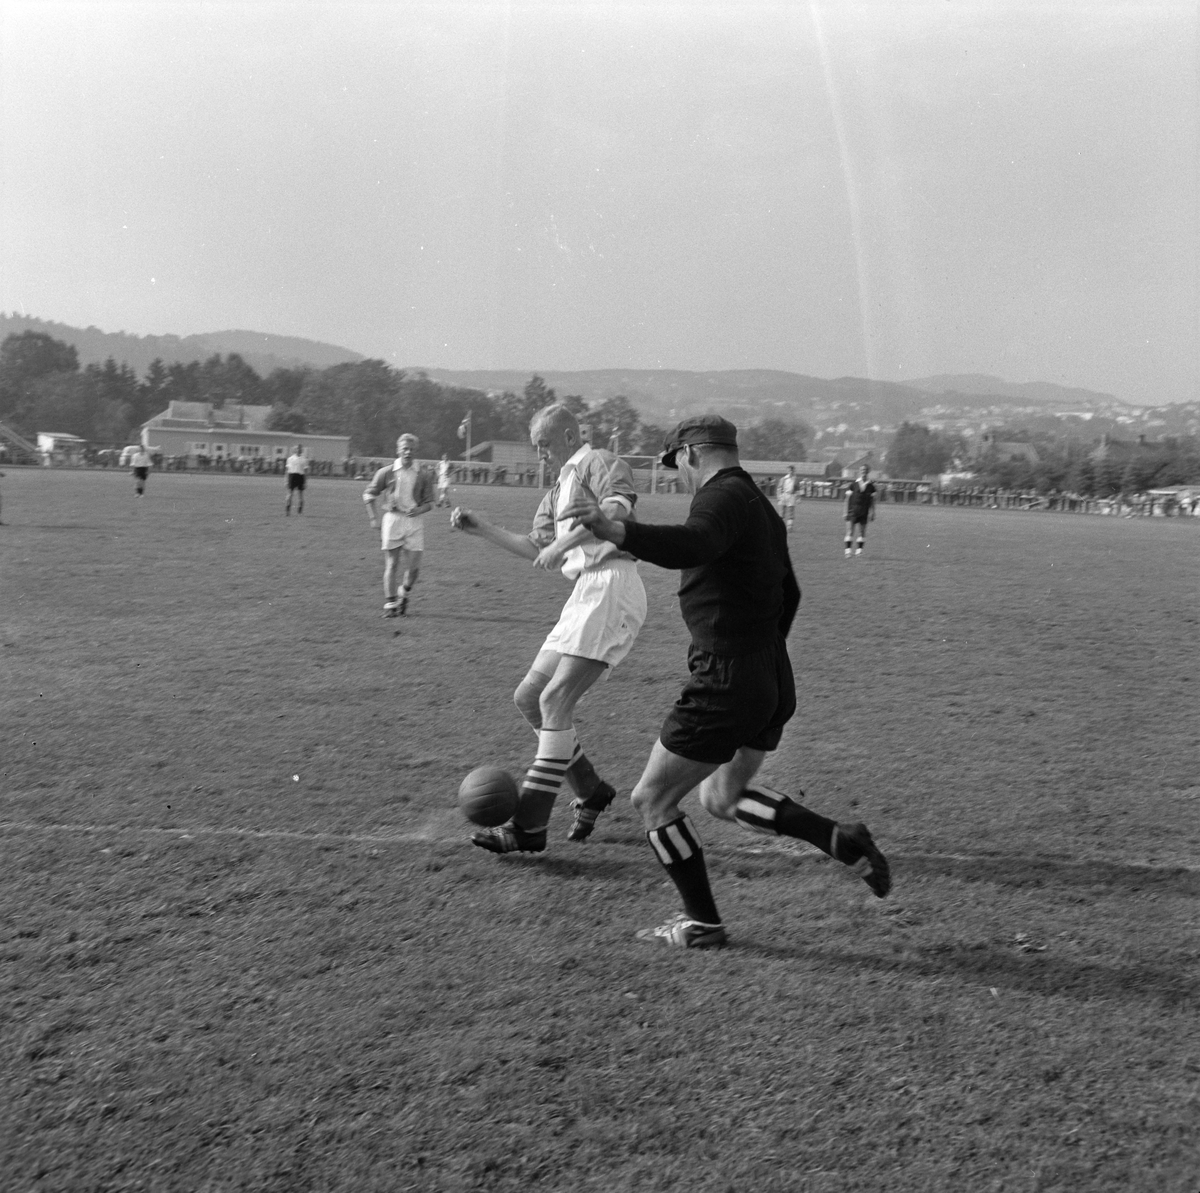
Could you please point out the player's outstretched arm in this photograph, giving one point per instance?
(469, 522)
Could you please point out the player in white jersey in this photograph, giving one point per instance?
(141, 462)
(443, 480)
(789, 483)
(297, 478)
(407, 494)
(595, 631)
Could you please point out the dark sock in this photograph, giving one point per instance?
(581, 775)
(677, 848)
(764, 811)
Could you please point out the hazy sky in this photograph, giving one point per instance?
(887, 189)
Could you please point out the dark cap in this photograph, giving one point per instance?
(701, 428)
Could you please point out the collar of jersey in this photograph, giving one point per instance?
(574, 460)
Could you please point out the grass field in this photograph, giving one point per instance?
(246, 944)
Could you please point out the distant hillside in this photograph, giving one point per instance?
(660, 395)
(1030, 393)
(663, 395)
(261, 352)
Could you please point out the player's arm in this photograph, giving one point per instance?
(791, 599)
(372, 494)
(476, 525)
(714, 521)
(552, 555)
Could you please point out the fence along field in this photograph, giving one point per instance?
(246, 944)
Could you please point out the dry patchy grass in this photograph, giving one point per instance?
(218, 976)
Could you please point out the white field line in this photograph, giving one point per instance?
(428, 837)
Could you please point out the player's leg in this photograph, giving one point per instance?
(667, 778)
(860, 530)
(556, 752)
(301, 485)
(391, 572)
(731, 794)
(287, 484)
(849, 537)
(581, 774)
(411, 563)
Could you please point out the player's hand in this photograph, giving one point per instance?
(549, 558)
(374, 524)
(585, 510)
(461, 519)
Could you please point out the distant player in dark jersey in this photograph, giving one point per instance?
(860, 509)
(738, 596)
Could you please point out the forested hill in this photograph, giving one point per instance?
(661, 395)
(263, 353)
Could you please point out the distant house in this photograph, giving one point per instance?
(1005, 451)
(191, 429)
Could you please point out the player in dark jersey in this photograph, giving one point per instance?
(860, 509)
(738, 595)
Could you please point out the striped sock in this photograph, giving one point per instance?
(764, 811)
(540, 787)
(678, 849)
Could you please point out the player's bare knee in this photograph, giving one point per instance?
(556, 707)
(527, 698)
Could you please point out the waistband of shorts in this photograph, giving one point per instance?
(612, 563)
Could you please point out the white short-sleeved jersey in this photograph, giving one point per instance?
(610, 479)
(298, 464)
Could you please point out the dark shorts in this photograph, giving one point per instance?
(141, 473)
(860, 523)
(730, 702)
(296, 480)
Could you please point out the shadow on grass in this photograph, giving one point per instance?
(425, 615)
(1023, 871)
(596, 867)
(990, 965)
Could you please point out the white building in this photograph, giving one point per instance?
(191, 429)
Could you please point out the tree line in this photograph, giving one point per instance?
(43, 388)
(1062, 465)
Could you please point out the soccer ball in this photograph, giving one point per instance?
(488, 796)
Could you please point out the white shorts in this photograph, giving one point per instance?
(399, 530)
(787, 501)
(602, 615)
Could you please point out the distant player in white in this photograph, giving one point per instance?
(788, 485)
(407, 495)
(595, 631)
(141, 464)
(297, 478)
(443, 480)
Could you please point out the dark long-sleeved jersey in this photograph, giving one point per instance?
(738, 590)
